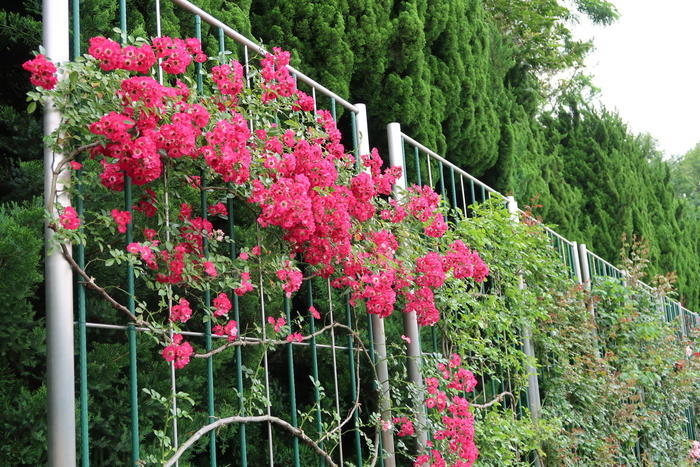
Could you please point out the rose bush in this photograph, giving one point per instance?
(242, 143)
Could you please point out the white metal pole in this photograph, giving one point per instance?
(396, 154)
(410, 323)
(377, 322)
(583, 264)
(58, 274)
(533, 385)
(577, 263)
(586, 276)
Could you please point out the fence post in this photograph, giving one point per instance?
(577, 263)
(583, 264)
(586, 275)
(58, 274)
(377, 322)
(533, 386)
(410, 323)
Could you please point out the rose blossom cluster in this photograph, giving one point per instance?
(456, 432)
(277, 81)
(694, 452)
(230, 330)
(178, 352)
(176, 54)
(301, 181)
(43, 72)
(69, 218)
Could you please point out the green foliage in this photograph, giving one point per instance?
(22, 340)
(685, 176)
(621, 183)
(540, 30)
(464, 78)
(605, 384)
(486, 324)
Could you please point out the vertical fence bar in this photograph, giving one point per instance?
(82, 328)
(454, 189)
(263, 323)
(442, 181)
(243, 443)
(59, 277)
(533, 392)
(131, 329)
(353, 384)
(578, 274)
(418, 174)
(314, 366)
(292, 388)
(207, 334)
(239, 358)
(410, 323)
(133, 373)
(377, 323)
(335, 366)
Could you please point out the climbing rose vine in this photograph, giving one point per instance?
(249, 143)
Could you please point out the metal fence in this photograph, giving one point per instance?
(334, 349)
(460, 190)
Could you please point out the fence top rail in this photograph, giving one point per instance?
(607, 263)
(444, 161)
(689, 312)
(238, 37)
(552, 232)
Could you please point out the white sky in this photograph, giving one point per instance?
(647, 66)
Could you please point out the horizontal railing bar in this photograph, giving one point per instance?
(437, 156)
(119, 327)
(560, 237)
(548, 229)
(238, 37)
(605, 262)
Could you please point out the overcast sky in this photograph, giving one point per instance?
(647, 66)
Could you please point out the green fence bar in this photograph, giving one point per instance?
(355, 146)
(292, 388)
(131, 329)
(353, 387)
(239, 358)
(442, 182)
(133, 373)
(80, 251)
(471, 189)
(418, 174)
(122, 19)
(82, 330)
(454, 189)
(207, 332)
(314, 367)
